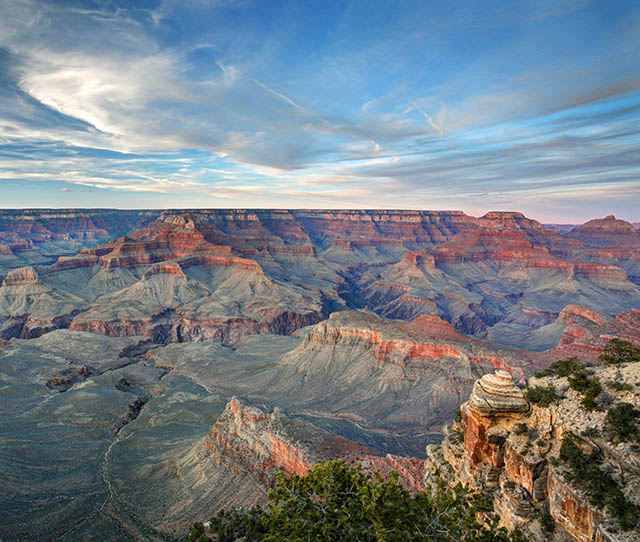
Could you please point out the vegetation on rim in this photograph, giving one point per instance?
(586, 473)
(336, 502)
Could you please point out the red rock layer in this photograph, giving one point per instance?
(416, 346)
(402, 351)
(588, 333)
(607, 231)
(251, 442)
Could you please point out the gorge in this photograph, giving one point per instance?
(157, 366)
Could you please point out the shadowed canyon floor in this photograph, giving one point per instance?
(124, 336)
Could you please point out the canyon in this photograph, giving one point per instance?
(157, 366)
(515, 453)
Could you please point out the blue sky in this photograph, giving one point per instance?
(476, 105)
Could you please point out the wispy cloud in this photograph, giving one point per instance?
(248, 100)
(433, 125)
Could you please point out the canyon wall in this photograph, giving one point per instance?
(513, 451)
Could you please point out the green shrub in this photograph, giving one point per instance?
(542, 395)
(524, 429)
(456, 436)
(621, 421)
(590, 432)
(521, 429)
(336, 502)
(563, 367)
(620, 351)
(547, 523)
(619, 386)
(196, 533)
(229, 526)
(579, 379)
(588, 386)
(585, 471)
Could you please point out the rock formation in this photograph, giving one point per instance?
(227, 273)
(510, 450)
(608, 231)
(257, 444)
(495, 394)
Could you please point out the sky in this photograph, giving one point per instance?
(531, 106)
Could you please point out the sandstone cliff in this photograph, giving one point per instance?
(520, 453)
(256, 445)
(185, 275)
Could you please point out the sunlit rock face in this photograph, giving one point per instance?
(509, 449)
(495, 394)
(257, 445)
(222, 274)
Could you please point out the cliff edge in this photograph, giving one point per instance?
(559, 459)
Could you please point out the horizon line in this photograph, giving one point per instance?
(190, 209)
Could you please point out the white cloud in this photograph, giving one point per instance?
(430, 121)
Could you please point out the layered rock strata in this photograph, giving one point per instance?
(510, 450)
(184, 275)
(258, 444)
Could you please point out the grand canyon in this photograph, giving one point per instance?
(158, 366)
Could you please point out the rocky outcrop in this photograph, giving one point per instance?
(68, 377)
(510, 450)
(600, 272)
(495, 394)
(25, 276)
(573, 314)
(29, 308)
(254, 443)
(169, 327)
(410, 345)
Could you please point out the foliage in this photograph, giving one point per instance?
(197, 533)
(336, 502)
(521, 429)
(590, 432)
(563, 367)
(619, 386)
(621, 421)
(235, 524)
(542, 395)
(620, 351)
(588, 386)
(457, 416)
(547, 523)
(456, 435)
(585, 471)
(524, 429)
(579, 379)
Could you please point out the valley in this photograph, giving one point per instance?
(156, 366)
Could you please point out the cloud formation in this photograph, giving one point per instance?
(243, 103)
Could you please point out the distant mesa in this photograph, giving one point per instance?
(184, 275)
(608, 231)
